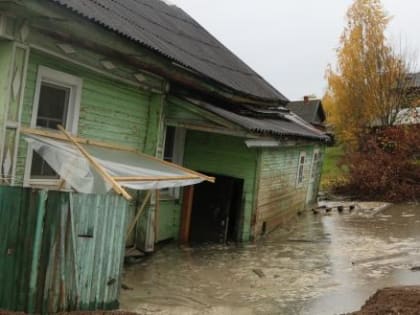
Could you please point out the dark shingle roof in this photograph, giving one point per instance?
(274, 122)
(171, 32)
(308, 111)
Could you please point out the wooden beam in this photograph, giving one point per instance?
(209, 129)
(61, 184)
(187, 203)
(57, 136)
(153, 178)
(118, 189)
(139, 213)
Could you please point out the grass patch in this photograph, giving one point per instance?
(332, 171)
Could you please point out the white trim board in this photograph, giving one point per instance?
(23, 87)
(48, 75)
(299, 165)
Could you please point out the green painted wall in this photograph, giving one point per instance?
(279, 197)
(224, 155)
(178, 113)
(110, 111)
(169, 220)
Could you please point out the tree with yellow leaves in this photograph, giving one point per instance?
(369, 84)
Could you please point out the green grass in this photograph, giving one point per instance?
(331, 171)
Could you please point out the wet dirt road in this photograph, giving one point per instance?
(329, 264)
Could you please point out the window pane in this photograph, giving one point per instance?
(300, 170)
(52, 110)
(169, 144)
(53, 105)
(40, 169)
(300, 178)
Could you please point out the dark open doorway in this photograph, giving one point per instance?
(216, 210)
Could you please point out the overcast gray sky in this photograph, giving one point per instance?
(291, 42)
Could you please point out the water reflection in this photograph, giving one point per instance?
(326, 265)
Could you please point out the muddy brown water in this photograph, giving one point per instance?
(328, 264)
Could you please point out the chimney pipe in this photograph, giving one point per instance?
(306, 99)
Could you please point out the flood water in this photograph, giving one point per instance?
(328, 264)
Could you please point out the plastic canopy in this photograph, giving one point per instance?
(131, 169)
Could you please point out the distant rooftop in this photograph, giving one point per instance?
(310, 110)
(416, 79)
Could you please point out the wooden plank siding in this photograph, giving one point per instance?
(110, 111)
(169, 220)
(279, 198)
(225, 155)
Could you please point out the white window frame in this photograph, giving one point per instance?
(299, 165)
(61, 79)
(315, 164)
(178, 158)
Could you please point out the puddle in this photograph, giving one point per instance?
(329, 264)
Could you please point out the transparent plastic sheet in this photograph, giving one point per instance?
(70, 164)
(76, 170)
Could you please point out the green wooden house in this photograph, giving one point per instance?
(144, 74)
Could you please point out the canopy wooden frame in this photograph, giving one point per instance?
(115, 181)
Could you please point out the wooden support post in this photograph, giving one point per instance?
(117, 187)
(187, 203)
(157, 214)
(139, 213)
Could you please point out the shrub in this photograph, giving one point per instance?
(386, 165)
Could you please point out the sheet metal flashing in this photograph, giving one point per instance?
(168, 30)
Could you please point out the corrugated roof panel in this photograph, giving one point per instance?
(285, 124)
(168, 30)
(60, 244)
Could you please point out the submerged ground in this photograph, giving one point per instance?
(329, 264)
